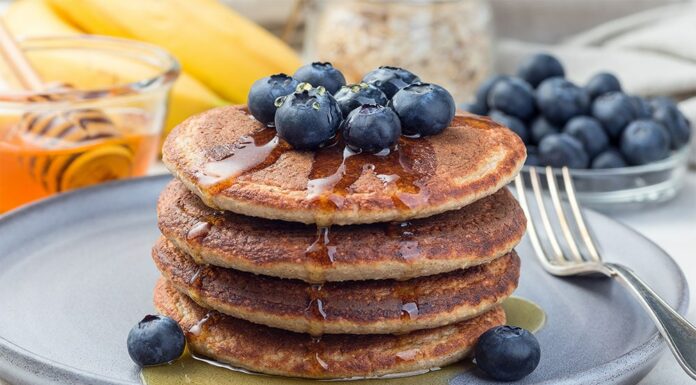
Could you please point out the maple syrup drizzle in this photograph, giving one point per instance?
(196, 279)
(315, 349)
(408, 246)
(251, 153)
(407, 355)
(314, 311)
(199, 231)
(198, 327)
(408, 305)
(335, 169)
(321, 249)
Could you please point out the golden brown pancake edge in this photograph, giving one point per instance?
(350, 307)
(475, 157)
(475, 234)
(273, 351)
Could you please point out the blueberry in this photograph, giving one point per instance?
(535, 69)
(514, 97)
(660, 101)
(156, 340)
(390, 79)
(517, 126)
(485, 89)
(507, 353)
(560, 100)
(645, 141)
(589, 132)
(371, 128)
(308, 118)
(475, 108)
(263, 94)
(676, 123)
(532, 157)
(558, 150)
(641, 107)
(614, 110)
(353, 96)
(321, 74)
(602, 83)
(423, 108)
(541, 127)
(610, 158)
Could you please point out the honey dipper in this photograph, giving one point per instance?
(64, 128)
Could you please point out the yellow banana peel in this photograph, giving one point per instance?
(221, 48)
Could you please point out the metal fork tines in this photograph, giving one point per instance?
(577, 253)
(575, 258)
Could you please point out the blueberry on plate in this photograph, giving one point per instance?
(676, 123)
(514, 97)
(614, 111)
(390, 79)
(485, 88)
(532, 157)
(610, 158)
(353, 96)
(507, 353)
(371, 128)
(558, 150)
(475, 108)
(645, 141)
(560, 100)
(641, 107)
(602, 83)
(589, 132)
(321, 74)
(156, 340)
(263, 94)
(537, 68)
(423, 108)
(539, 128)
(515, 125)
(308, 118)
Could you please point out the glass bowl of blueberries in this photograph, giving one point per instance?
(624, 151)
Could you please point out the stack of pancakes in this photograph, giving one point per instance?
(331, 264)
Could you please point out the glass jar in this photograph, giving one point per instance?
(447, 42)
(99, 119)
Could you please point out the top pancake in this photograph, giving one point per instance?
(234, 163)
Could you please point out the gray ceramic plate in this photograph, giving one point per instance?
(76, 274)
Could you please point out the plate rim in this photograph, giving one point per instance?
(628, 362)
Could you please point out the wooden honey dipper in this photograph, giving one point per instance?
(62, 128)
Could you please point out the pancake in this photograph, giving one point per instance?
(234, 163)
(351, 307)
(274, 351)
(475, 234)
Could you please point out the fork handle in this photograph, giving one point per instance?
(677, 331)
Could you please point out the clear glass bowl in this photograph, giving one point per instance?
(627, 187)
(99, 118)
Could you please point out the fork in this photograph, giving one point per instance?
(572, 260)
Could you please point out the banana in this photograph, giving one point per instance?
(27, 18)
(221, 48)
(36, 18)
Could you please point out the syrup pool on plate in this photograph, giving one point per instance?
(197, 371)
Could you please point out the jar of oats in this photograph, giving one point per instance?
(447, 42)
